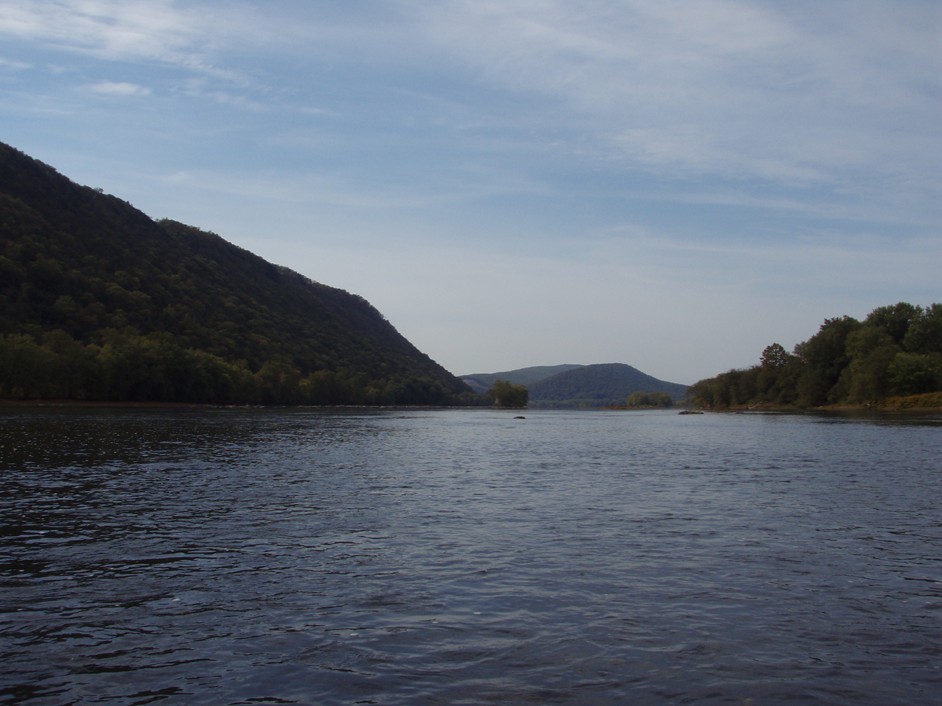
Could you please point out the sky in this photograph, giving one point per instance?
(673, 185)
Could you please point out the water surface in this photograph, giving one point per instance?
(467, 557)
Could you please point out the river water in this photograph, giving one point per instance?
(468, 557)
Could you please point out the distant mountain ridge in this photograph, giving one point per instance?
(599, 385)
(100, 302)
(482, 382)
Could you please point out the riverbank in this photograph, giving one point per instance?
(928, 403)
(100, 404)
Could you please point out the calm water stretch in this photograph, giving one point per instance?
(467, 557)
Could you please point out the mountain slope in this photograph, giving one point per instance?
(86, 279)
(598, 385)
(482, 382)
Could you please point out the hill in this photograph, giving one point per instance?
(482, 382)
(598, 386)
(100, 302)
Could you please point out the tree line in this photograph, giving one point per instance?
(895, 351)
(124, 367)
(660, 400)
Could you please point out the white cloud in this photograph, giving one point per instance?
(13, 65)
(119, 88)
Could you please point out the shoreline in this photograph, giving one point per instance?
(889, 406)
(99, 404)
(914, 405)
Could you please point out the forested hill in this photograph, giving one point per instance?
(599, 385)
(481, 382)
(100, 302)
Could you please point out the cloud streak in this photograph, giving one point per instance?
(119, 88)
(111, 29)
(738, 90)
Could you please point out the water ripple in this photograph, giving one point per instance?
(461, 557)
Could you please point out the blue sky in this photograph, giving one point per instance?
(668, 184)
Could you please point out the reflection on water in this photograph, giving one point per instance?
(465, 557)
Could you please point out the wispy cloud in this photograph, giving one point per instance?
(114, 29)
(726, 88)
(335, 190)
(119, 88)
(734, 89)
(13, 65)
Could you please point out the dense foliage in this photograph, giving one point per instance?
(896, 350)
(508, 395)
(99, 302)
(650, 399)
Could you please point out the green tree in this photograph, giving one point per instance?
(774, 356)
(870, 350)
(279, 382)
(650, 399)
(915, 373)
(508, 395)
(824, 358)
(76, 375)
(772, 365)
(27, 370)
(925, 331)
(894, 319)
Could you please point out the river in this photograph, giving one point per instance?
(253, 556)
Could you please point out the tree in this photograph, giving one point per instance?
(924, 334)
(650, 399)
(508, 395)
(824, 359)
(774, 361)
(895, 319)
(915, 373)
(774, 356)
